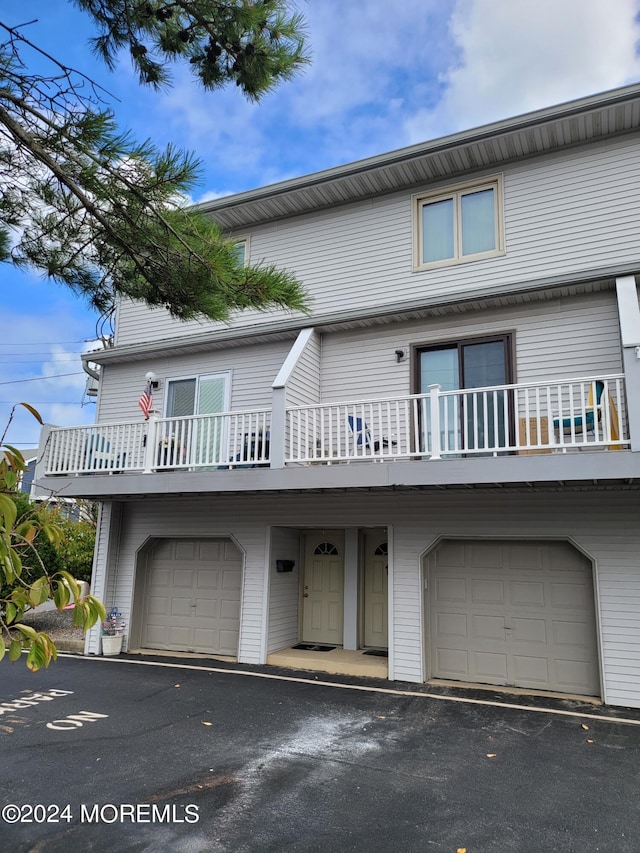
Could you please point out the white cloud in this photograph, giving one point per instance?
(370, 65)
(517, 56)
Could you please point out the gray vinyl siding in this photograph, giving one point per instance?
(303, 387)
(253, 369)
(105, 565)
(571, 337)
(284, 590)
(565, 213)
(602, 524)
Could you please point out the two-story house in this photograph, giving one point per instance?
(434, 474)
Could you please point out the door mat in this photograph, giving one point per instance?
(309, 647)
(378, 653)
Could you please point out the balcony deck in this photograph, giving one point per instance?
(510, 433)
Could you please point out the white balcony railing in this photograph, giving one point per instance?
(525, 418)
(230, 439)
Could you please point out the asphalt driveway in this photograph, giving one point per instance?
(137, 755)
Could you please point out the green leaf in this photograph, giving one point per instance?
(3, 647)
(69, 580)
(27, 530)
(7, 568)
(39, 654)
(61, 595)
(78, 615)
(27, 631)
(11, 479)
(8, 511)
(11, 611)
(15, 650)
(39, 591)
(16, 562)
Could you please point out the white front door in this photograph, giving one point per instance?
(323, 589)
(375, 604)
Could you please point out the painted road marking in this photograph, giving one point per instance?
(31, 700)
(75, 721)
(363, 688)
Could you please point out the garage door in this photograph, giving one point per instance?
(513, 613)
(192, 596)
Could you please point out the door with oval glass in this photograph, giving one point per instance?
(375, 590)
(323, 588)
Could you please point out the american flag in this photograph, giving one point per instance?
(146, 401)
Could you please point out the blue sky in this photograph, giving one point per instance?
(383, 76)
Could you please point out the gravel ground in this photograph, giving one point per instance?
(58, 624)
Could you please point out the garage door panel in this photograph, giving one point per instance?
(185, 550)
(526, 594)
(488, 627)
(574, 596)
(454, 555)
(213, 552)
(533, 670)
(231, 580)
(178, 638)
(529, 630)
(158, 605)
(180, 606)
(490, 665)
(453, 663)
(183, 578)
(228, 641)
(523, 556)
(229, 609)
(487, 591)
(192, 596)
(571, 633)
(577, 673)
(450, 589)
(564, 557)
(451, 624)
(162, 576)
(520, 614)
(208, 579)
(486, 555)
(156, 636)
(207, 608)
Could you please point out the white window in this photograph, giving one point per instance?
(463, 224)
(241, 250)
(201, 440)
(197, 395)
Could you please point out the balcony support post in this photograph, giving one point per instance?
(278, 426)
(629, 315)
(434, 421)
(150, 446)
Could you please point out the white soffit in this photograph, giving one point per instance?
(575, 123)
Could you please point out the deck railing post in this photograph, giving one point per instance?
(434, 420)
(150, 446)
(278, 427)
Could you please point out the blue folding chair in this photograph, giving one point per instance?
(364, 438)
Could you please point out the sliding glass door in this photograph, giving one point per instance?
(205, 439)
(469, 422)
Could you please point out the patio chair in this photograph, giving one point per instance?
(364, 438)
(576, 424)
(99, 456)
